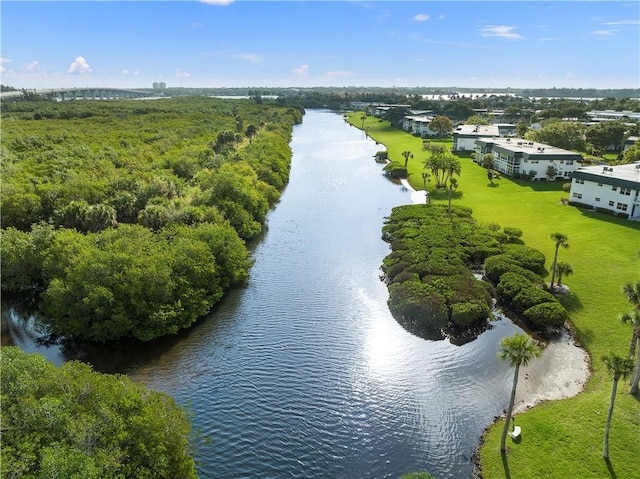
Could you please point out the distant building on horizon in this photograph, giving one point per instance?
(159, 85)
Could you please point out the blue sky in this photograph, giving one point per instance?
(240, 43)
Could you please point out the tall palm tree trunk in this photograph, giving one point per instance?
(605, 446)
(635, 377)
(555, 262)
(507, 421)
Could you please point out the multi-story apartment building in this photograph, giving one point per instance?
(612, 188)
(517, 157)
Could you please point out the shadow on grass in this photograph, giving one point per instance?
(570, 301)
(596, 215)
(612, 473)
(584, 336)
(505, 465)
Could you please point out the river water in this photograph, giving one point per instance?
(304, 373)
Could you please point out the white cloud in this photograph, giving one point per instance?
(302, 71)
(80, 66)
(624, 22)
(32, 67)
(501, 31)
(421, 17)
(182, 74)
(125, 72)
(2, 62)
(250, 57)
(219, 3)
(605, 33)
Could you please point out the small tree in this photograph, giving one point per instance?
(618, 367)
(488, 161)
(406, 154)
(632, 292)
(453, 185)
(517, 350)
(552, 171)
(563, 269)
(560, 240)
(441, 125)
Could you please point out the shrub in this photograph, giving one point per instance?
(530, 296)
(510, 285)
(395, 170)
(417, 303)
(547, 314)
(469, 312)
(527, 257)
(496, 266)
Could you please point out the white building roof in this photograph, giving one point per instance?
(622, 175)
(477, 130)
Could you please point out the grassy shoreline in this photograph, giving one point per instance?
(560, 438)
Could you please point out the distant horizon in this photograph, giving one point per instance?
(319, 44)
(453, 88)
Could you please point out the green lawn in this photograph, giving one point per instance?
(560, 438)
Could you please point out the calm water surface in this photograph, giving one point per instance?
(304, 373)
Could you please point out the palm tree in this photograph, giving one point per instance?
(453, 185)
(425, 178)
(518, 350)
(407, 154)
(631, 291)
(561, 240)
(619, 367)
(563, 269)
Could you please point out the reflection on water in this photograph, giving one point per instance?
(304, 372)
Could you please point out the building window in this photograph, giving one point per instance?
(569, 162)
(597, 199)
(625, 191)
(614, 188)
(611, 203)
(621, 207)
(599, 184)
(580, 182)
(566, 174)
(577, 195)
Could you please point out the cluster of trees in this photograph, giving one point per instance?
(595, 139)
(71, 422)
(129, 219)
(432, 291)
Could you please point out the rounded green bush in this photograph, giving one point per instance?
(530, 296)
(546, 314)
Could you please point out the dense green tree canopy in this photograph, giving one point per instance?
(130, 218)
(71, 422)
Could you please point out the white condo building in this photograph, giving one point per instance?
(515, 156)
(613, 188)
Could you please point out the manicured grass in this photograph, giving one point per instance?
(560, 438)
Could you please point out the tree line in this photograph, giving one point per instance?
(131, 219)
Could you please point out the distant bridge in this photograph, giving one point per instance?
(94, 93)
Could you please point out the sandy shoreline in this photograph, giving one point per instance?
(561, 372)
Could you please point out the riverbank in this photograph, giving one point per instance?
(560, 438)
(561, 372)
